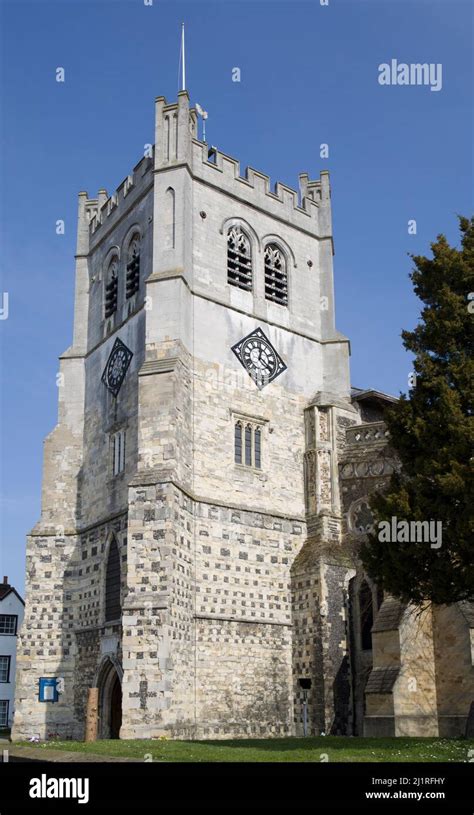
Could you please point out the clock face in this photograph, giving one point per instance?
(259, 358)
(116, 368)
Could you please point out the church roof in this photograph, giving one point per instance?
(361, 394)
(389, 615)
(381, 680)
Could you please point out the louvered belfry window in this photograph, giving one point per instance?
(112, 584)
(276, 279)
(239, 259)
(133, 268)
(111, 289)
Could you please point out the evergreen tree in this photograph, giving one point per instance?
(432, 433)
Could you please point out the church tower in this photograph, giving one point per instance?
(188, 561)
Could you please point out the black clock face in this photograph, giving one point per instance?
(259, 358)
(116, 368)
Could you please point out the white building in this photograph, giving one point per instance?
(11, 617)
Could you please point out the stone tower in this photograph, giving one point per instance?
(188, 561)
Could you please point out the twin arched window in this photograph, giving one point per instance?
(132, 281)
(239, 266)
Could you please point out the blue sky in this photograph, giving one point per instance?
(308, 76)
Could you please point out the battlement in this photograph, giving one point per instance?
(223, 171)
(94, 213)
(176, 143)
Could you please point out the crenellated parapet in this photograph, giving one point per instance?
(176, 144)
(302, 209)
(105, 210)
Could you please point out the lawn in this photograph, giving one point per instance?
(327, 748)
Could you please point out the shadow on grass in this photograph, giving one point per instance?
(323, 743)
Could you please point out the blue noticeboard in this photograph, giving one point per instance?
(47, 689)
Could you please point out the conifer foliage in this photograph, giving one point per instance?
(432, 432)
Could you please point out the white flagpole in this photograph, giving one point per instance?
(183, 58)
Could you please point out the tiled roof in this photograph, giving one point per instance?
(381, 680)
(389, 615)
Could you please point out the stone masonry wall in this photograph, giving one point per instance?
(46, 644)
(207, 613)
(157, 621)
(243, 614)
(454, 669)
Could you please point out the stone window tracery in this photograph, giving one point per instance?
(238, 443)
(111, 288)
(248, 444)
(133, 267)
(360, 517)
(276, 278)
(239, 259)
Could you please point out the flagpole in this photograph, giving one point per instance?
(183, 58)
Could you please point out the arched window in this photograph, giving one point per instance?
(238, 443)
(133, 267)
(111, 288)
(239, 259)
(276, 278)
(112, 583)
(248, 444)
(257, 447)
(366, 616)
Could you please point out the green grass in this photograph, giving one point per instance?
(336, 748)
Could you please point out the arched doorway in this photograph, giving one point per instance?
(110, 699)
(115, 709)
